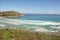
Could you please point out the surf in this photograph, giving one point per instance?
(31, 24)
(34, 22)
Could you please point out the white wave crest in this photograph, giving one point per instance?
(41, 30)
(2, 25)
(57, 27)
(33, 22)
(18, 22)
(44, 30)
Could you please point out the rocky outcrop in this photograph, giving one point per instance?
(10, 13)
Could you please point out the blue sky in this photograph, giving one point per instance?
(31, 6)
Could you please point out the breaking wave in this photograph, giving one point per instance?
(17, 21)
(2, 25)
(37, 24)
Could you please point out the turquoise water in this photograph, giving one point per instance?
(34, 22)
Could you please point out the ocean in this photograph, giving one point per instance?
(34, 22)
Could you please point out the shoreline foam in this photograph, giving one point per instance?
(31, 22)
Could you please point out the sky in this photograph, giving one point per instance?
(31, 6)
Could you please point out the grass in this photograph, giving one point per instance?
(15, 34)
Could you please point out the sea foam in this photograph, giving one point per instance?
(2, 25)
(31, 22)
(17, 22)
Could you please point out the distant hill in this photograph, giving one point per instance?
(10, 13)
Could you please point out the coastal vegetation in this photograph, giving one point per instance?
(16, 34)
(9, 14)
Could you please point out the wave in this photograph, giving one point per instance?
(56, 27)
(41, 30)
(9, 22)
(44, 30)
(2, 25)
(33, 22)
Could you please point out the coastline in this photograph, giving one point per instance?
(10, 16)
